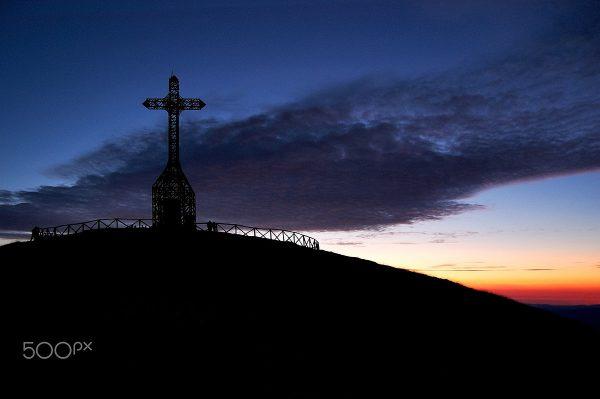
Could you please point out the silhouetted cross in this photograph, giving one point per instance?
(174, 104)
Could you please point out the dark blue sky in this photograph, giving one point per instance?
(336, 116)
(74, 73)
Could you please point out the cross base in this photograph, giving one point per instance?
(173, 200)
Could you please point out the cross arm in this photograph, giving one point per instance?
(155, 103)
(192, 103)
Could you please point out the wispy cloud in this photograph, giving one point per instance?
(462, 267)
(458, 269)
(444, 265)
(538, 269)
(14, 234)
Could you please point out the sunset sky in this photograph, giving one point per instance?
(546, 253)
(455, 138)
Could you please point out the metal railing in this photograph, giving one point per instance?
(98, 224)
(228, 228)
(262, 232)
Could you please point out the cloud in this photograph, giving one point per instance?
(442, 241)
(364, 155)
(537, 269)
(452, 267)
(6, 197)
(347, 243)
(14, 234)
(458, 269)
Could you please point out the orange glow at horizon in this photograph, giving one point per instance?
(560, 286)
(550, 274)
(551, 295)
(568, 285)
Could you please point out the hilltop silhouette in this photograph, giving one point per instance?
(228, 314)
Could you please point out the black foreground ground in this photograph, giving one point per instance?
(235, 316)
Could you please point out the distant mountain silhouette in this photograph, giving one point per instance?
(229, 314)
(587, 314)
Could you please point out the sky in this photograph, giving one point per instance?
(458, 139)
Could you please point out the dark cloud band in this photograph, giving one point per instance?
(360, 156)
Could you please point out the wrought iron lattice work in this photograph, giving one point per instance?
(173, 198)
(228, 228)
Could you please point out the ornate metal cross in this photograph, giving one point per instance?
(174, 104)
(173, 199)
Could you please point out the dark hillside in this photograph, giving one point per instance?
(227, 313)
